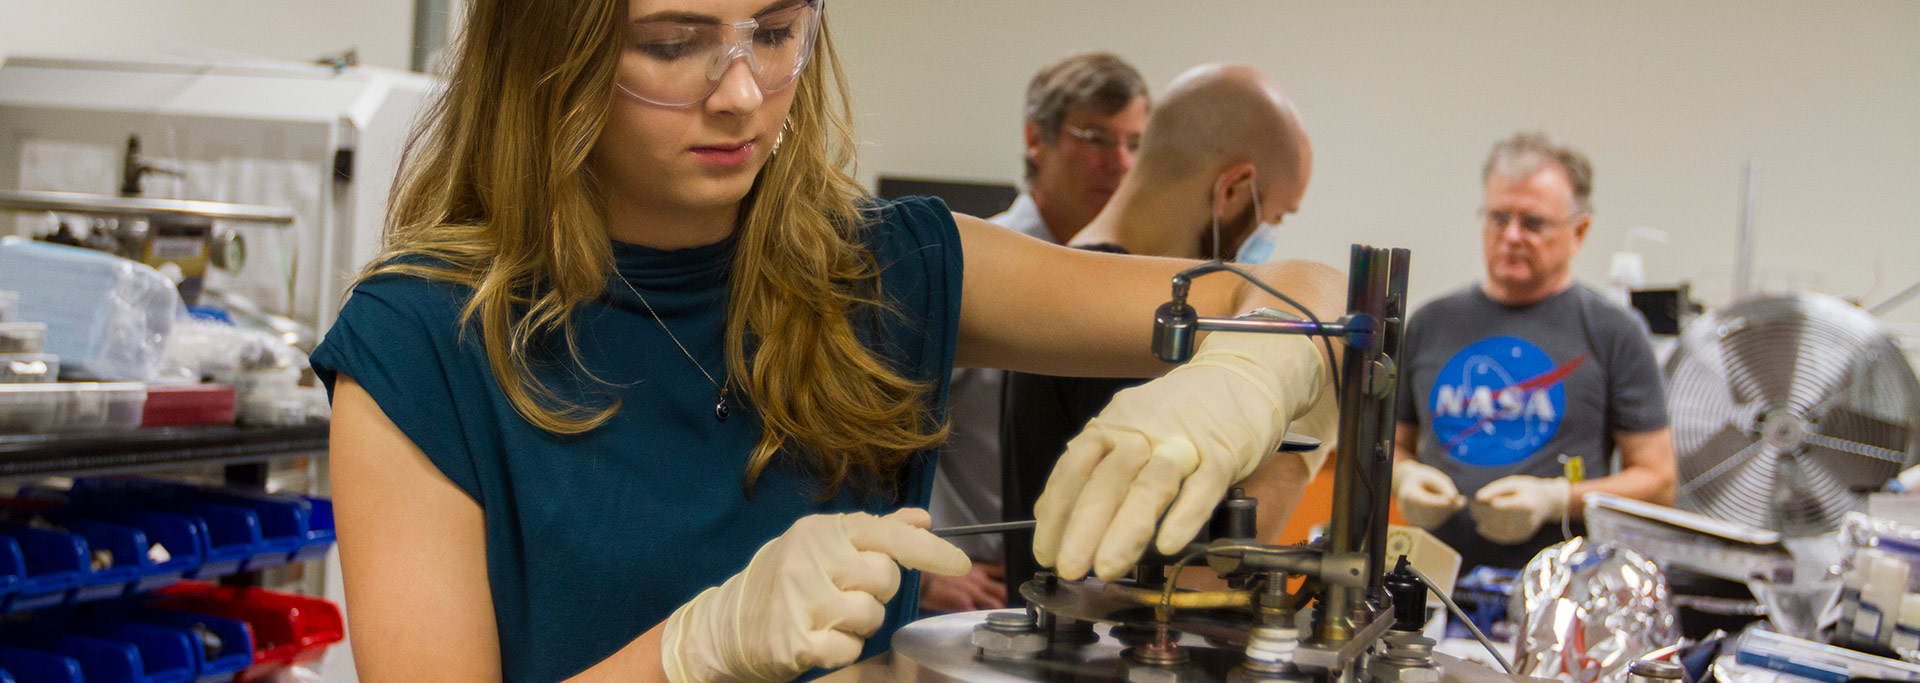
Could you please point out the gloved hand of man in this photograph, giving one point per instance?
(1427, 496)
(1511, 509)
(809, 598)
(1172, 446)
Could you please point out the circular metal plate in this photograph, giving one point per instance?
(941, 649)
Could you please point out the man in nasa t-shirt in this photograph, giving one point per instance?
(1505, 377)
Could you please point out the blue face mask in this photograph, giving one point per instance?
(1259, 246)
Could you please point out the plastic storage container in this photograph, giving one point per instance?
(34, 665)
(71, 406)
(54, 562)
(232, 533)
(29, 368)
(123, 653)
(107, 317)
(287, 629)
(226, 645)
(153, 548)
(264, 529)
(13, 568)
(181, 536)
(23, 337)
(188, 405)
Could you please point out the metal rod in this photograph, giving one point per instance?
(1895, 301)
(995, 528)
(106, 205)
(1272, 326)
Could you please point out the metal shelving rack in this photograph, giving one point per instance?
(240, 449)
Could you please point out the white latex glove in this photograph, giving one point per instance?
(1172, 446)
(1427, 495)
(809, 598)
(1511, 509)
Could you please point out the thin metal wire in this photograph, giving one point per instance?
(1165, 612)
(1218, 265)
(1462, 616)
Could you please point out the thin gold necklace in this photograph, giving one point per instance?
(720, 408)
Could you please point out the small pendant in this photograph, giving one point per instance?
(720, 410)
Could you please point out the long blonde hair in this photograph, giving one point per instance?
(497, 195)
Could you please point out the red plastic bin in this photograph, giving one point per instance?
(288, 629)
(188, 405)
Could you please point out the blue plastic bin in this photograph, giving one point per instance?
(234, 531)
(54, 564)
(13, 568)
(183, 536)
(128, 546)
(286, 521)
(102, 660)
(236, 641)
(129, 532)
(320, 531)
(36, 666)
(167, 655)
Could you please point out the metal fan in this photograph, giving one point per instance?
(1787, 409)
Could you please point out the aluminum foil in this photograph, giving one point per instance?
(1584, 611)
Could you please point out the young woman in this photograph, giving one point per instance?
(646, 388)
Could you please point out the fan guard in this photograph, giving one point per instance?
(1787, 410)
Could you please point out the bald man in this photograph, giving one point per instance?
(1224, 151)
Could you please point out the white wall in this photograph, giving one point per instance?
(290, 30)
(1403, 99)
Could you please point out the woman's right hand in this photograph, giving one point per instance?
(809, 598)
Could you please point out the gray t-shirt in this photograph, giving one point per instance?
(1498, 390)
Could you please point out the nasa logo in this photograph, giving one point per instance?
(1498, 401)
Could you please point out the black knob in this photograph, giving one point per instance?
(1236, 518)
(1409, 598)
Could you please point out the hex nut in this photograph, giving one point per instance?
(1146, 673)
(1386, 671)
(994, 645)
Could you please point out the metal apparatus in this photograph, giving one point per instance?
(156, 232)
(1786, 410)
(1340, 623)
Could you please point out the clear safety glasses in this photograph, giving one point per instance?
(679, 64)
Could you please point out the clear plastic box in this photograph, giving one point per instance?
(29, 368)
(71, 406)
(22, 337)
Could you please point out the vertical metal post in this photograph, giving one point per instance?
(1348, 527)
(1363, 461)
(1393, 322)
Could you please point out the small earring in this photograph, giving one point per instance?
(781, 137)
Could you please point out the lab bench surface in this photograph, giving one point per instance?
(89, 453)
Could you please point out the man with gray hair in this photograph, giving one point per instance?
(1084, 117)
(1506, 381)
